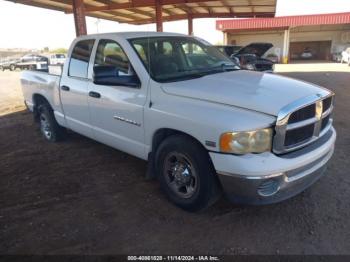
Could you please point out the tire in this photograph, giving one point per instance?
(12, 67)
(2, 68)
(49, 127)
(186, 174)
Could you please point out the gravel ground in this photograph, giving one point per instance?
(81, 197)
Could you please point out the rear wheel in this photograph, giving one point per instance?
(48, 124)
(12, 67)
(2, 69)
(186, 173)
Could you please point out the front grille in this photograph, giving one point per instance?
(327, 104)
(297, 128)
(299, 135)
(303, 114)
(325, 122)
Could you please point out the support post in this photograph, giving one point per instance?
(190, 24)
(225, 38)
(285, 52)
(79, 17)
(159, 16)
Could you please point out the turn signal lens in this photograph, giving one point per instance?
(256, 141)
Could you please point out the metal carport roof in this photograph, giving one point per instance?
(144, 11)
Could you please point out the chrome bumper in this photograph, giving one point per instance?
(276, 187)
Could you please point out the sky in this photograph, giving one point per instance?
(24, 26)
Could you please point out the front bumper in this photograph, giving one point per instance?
(267, 178)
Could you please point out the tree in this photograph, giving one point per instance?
(59, 51)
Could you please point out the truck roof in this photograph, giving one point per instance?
(128, 35)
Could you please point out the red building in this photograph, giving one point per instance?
(313, 37)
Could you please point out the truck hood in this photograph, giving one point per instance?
(262, 92)
(259, 49)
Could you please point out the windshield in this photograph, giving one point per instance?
(60, 56)
(169, 59)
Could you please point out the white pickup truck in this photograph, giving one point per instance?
(203, 125)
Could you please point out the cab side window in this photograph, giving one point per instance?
(110, 53)
(79, 61)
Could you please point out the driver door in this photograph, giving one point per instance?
(117, 111)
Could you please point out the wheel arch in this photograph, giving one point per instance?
(162, 133)
(159, 136)
(38, 99)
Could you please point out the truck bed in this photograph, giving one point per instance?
(36, 83)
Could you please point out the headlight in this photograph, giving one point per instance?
(256, 141)
(250, 67)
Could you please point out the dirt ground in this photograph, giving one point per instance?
(82, 197)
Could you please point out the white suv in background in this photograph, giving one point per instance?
(57, 59)
(345, 56)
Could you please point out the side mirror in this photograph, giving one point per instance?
(109, 76)
(55, 69)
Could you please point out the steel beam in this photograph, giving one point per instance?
(201, 15)
(79, 17)
(190, 24)
(159, 16)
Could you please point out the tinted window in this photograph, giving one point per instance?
(141, 52)
(79, 62)
(179, 58)
(110, 53)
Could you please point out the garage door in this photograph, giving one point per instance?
(315, 50)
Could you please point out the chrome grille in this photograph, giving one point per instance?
(302, 114)
(298, 135)
(302, 122)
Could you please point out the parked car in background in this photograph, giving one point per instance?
(250, 57)
(273, 58)
(203, 124)
(306, 54)
(31, 62)
(336, 57)
(345, 56)
(7, 64)
(33, 58)
(57, 59)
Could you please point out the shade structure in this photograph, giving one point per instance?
(144, 11)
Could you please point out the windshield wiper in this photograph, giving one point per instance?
(182, 77)
(226, 67)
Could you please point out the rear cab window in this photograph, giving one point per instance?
(79, 61)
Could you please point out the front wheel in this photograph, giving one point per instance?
(186, 173)
(12, 67)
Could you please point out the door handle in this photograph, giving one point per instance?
(65, 88)
(94, 94)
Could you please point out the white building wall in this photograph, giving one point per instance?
(338, 34)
